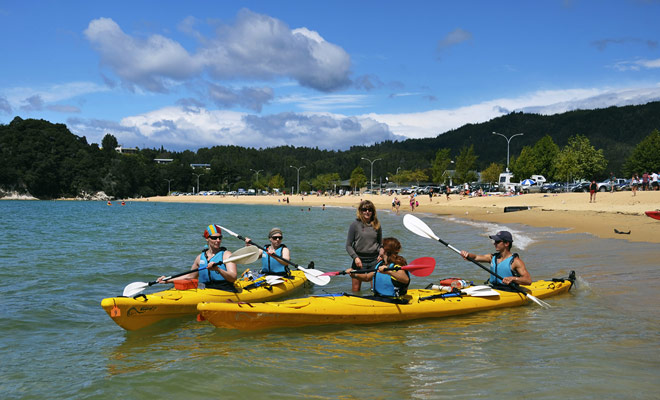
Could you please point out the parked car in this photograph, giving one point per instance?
(625, 185)
(579, 187)
(553, 187)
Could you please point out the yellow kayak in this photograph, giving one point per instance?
(349, 309)
(136, 312)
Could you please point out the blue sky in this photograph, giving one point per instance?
(185, 75)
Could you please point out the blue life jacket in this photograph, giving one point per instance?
(502, 269)
(208, 276)
(270, 266)
(385, 285)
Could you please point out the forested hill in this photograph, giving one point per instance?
(616, 130)
(48, 161)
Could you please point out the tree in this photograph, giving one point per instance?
(276, 182)
(418, 175)
(545, 152)
(466, 164)
(441, 165)
(645, 157)
(492, 173)
(524, 165)
(358, 178)
(326, 181)
(579, 160)
(537, 160)
(109, 143)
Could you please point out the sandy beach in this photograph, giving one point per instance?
(620, 211)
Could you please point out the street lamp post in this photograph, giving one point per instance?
(256, 172)
(371, 181)
(298, 178)
(197, 175)
(508, 141)
(168, 185)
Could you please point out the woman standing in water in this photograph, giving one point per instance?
(364, 240)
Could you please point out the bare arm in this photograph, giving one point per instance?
(230, 274)
(479, 258)
(518, 266)
(399, 275)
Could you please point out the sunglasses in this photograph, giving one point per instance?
(498, 241)
(367, 210)
(276, 237)
(215, 237)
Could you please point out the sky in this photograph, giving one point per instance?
(326, 74)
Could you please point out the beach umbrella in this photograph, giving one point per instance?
(527, 182)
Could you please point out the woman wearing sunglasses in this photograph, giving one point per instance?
(364, 242)
(216, 274)
(271, 265)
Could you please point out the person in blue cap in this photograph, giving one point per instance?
(508, 265)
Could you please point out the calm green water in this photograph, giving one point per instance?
(59, 259)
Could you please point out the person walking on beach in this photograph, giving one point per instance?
(508, 265)
(364, 239)
(448, 192)
(271, 265)
(612, 182)
(645, 181)
(392, 284)
(213, 276)
(654, 181)
(593, 188)
(634, 183)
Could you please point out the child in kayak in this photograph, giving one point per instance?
(388, 281)
(271, 265)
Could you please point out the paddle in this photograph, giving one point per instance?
(312, 275)
(243, 255)
(418, 227)
(475, 291)
(268, 282)
(423, 266)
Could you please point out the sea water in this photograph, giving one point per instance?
(58, 259)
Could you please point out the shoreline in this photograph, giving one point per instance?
(612, 212)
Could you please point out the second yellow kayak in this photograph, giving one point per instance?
(349, 309)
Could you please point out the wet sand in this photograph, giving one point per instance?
(619, 211)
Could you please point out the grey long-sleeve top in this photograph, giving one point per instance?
(363, 239)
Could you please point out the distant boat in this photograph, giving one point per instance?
(653, 214)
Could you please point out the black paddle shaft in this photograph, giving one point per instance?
(264, 248)
(512, 285)
(184, 273)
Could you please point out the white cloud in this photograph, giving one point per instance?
(255, 47)
(192, 127)
(637, 65)
(18, 96)
(434, 122)
(454, 37)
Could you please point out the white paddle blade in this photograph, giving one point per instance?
(480, 292)
(538, 301)
(274, 280)
(314, 276)
(418, 227)
(244, 255)
(234, 234)
(134, 288)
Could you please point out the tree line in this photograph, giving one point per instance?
(48, 161)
